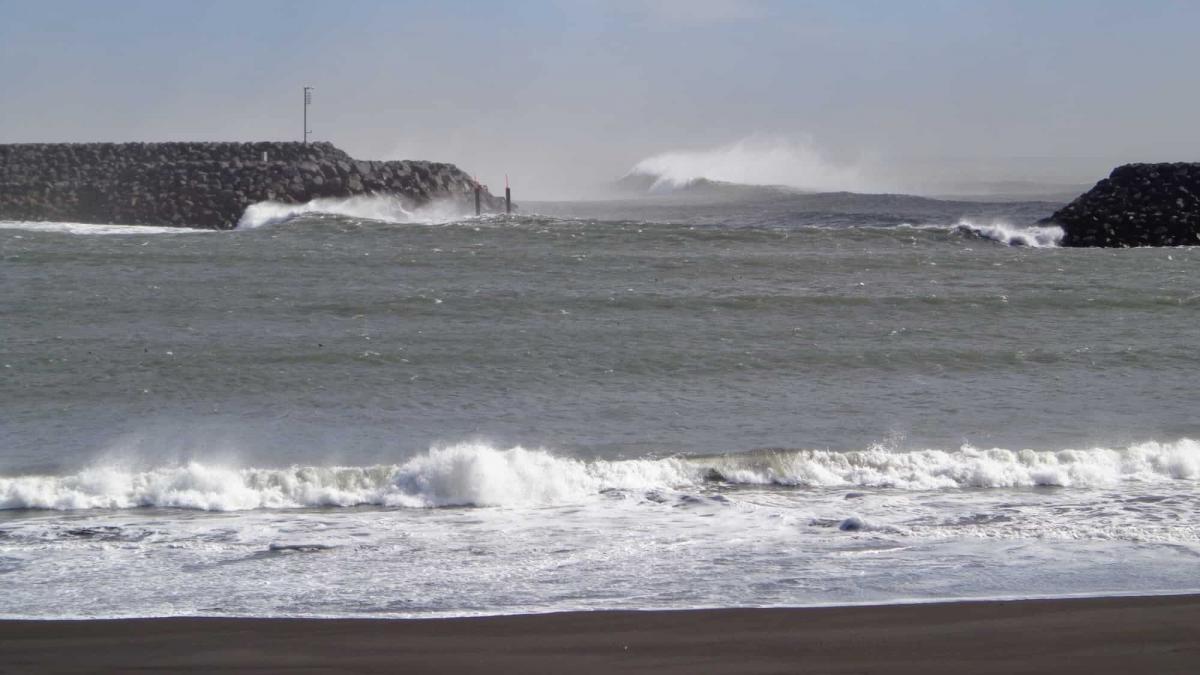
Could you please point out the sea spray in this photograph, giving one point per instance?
(380, 208)
(371, 208)
(1048, 236)
(756, 160)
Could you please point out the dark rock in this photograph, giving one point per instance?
(1137, 205)
(851, 524)
(204, 184)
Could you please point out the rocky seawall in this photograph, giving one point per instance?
(1137, 205)
(206, 184)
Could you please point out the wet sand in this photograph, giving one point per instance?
(1140, 635)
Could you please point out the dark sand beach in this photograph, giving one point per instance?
(1095, 635)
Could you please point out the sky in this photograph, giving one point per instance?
(567, 95)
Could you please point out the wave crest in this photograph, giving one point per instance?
(95, 228)
(381, 208)
(967, 467)
(457, 475)
(476, 474)
(1048, 236)
(756, 160)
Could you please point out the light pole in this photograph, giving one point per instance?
(307, 101)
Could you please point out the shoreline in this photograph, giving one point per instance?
(1094, 635)
(864, 604)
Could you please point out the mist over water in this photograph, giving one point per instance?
(800, 163)
(799, 398)
(757, 160)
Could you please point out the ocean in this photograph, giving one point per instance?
(352, 410)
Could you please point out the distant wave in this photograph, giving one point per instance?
(375, 207)
(94, 229)
(756, 160)
(475, 474)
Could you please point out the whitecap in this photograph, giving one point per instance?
(94, 229)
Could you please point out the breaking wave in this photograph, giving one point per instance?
(94, 229)
(967, 467)
(380, 208)
(755, 160)
(1034, 236)
(475, 474)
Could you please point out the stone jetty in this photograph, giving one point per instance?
(1137, 205)
(206, 185)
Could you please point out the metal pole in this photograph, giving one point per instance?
(507, 196)
(307, 100)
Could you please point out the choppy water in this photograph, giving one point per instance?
(654, 404)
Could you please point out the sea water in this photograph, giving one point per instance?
(350, 409)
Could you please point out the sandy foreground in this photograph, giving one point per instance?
(1142, 635)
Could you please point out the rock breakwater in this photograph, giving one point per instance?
(1137, 205)
(206, 184)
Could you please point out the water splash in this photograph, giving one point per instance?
(1033, 237)
(756, 160)
(379, 208)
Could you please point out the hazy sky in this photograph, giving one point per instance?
(562, 94)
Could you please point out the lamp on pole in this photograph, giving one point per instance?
(307, 101)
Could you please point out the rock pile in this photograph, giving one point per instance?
(1137, 205)
(205, 184)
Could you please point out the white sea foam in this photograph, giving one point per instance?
(94, 229)
(465, 474)
(481, 475)
(602, 535)
(967, 467)
(380, 208)
(1047, 236)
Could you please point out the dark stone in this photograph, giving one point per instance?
(1137, 205)
(851, 524)
(204, 184)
